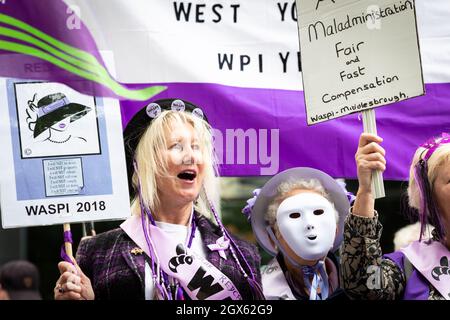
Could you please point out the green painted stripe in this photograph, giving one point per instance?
(76, 52)
(79, 58)
(141, 94)
(17, 35)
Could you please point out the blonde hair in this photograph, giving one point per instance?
(437, 159)
(410, 233)
(150, 163)
(284, 191)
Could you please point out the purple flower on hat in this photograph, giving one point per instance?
(350, 196)
(247, 210)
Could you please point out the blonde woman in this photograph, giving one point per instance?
(174, 247)
(421, 270)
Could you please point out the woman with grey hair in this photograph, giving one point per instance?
(298, 218)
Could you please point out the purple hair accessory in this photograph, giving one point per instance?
(433, 143)
(428, 210)
(247, 210)
(350, 196)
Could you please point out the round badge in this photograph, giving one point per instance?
(178, 105)
(198, 113)
(153, 110)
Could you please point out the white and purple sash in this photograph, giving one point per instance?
(432, 261)
(199, 278)
(275, 286)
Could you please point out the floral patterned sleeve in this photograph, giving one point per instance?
(365, 274)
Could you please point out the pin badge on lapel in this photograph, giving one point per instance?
(221, 245)
(137, 251)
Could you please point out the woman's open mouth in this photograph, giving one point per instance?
(187, 175)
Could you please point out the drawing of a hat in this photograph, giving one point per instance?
(54, 108)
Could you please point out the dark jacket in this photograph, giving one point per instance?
(117, 273)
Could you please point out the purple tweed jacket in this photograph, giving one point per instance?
(117, 272)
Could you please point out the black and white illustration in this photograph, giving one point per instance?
(62, 156)
(55, 120)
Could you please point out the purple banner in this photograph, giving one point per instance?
(273, 127)
(257, 131)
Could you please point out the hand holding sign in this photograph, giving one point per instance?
(370, 156)
(73, 284)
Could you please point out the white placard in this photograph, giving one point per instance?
(357, 55)
(62, 156)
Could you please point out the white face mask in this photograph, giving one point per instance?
(307, 223)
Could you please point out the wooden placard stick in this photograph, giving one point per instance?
(68, 244)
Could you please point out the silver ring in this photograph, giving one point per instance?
(60, 288)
